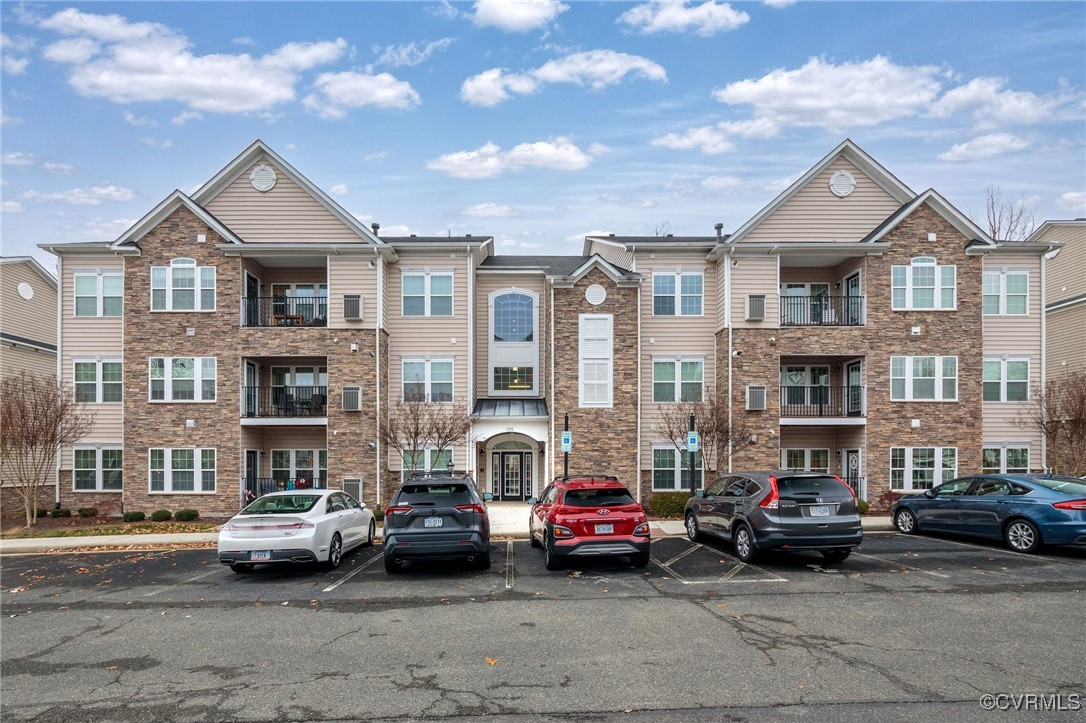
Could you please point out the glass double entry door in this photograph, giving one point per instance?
(512, 475)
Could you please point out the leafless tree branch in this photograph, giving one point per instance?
(1058, 411)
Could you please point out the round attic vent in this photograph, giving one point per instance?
(595, 294)
(842, 183)
(26, 291)
(263, 178)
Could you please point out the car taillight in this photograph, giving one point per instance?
(397, 510)
(773, 499)
(479, 509)
(1070, 505)
(270, 526)
(642, 529)
(847, 486)
(560, 531)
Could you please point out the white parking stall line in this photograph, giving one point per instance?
(178, 584)
(509, 572)
(1008, 553)
(902, 564)
(731, 573)
(352, 573)
(694, 547)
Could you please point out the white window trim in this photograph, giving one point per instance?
(937, 471)
(1002, 448)
(198, 379)
(427, 275)
(1003, 381)
(909, 378)
(429, 456)
(197, 471)
(100, 297)
(1002, 275)
(317, 469)
(922, 262)
(197, 290)
(98, 471)
(98, 395)
(807, 455)
(513, 353)
(678, 295)
(677, 361)
(427, 377)
(608, 359)
(678, 469)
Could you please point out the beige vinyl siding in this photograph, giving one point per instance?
(487, 284)
(35, 318)
(755, 275)
(352, 275)
(824, 275)
(1065, 274)
(1013, 436)
(1016, 334)
(15, 359)
(285, 214)
(835, 439)
(1066, 334)
(814, 213)
(612, 252)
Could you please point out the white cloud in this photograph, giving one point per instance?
(131, 119)
(490, 160)
(19, 159)
(580, 237)
(779, 3)
(1073, 201)
(243, 40)
(991, 105)
(60, 169)
(376, 156)
(410, 54)
(156, 143)
(680, 17)
(340, 189)
(488, 210)
(127, 62)
(6, 120)
(620, 200)
(993, 144)
(593, 68)
(518, 16)
(713, 140)
(14, 44)
(185, 116)
(719, 183)
(91, 196)
(107, 229)
(337, 93)
(12, 207)
(26, 160)
(14, 66)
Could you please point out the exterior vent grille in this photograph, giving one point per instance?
(352, 399)
(352, 306)
(755, 307)
(755, 398)
(353, 487)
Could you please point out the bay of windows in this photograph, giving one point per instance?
(1006, 380)
(923, 378)
(182, 379)
(427, 380)
(182, 470)
(427, 294)
(183, 286)
(923, 284)
(671, 469)
(1005, 293)
(921, 468)
(99, 294)
(98, 382)
(677, 380)
(677, 293)
(1005, 460)
(97, 470)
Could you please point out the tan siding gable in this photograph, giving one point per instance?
(1066, 273)
(1066, 335)
(814, 213)
(35, 318)
(614, 253)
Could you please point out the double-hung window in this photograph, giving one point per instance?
(677, 293)
(427, 461)
(921, 468)
(596, 348)
(1006, 292)
(922, 285)
(98, 381)
(1004, 460)
(183, 286)
(815, 460)
(427, 294)
(923, 378)
(99, 294)
(427, 380)
(1006, 380)
(182, 379)
(182, 470)
(97, 470)
(298, 464)
(671, 469)
(677, 380)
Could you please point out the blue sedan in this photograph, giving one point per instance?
(1024, 510)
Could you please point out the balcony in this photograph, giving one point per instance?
(284, 311)
(822, 401)
(284, 402)
(258, 486)
(822, 310)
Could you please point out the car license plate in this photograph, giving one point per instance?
(820, 511)
(260, 556)
(605, 529)
(432, 522)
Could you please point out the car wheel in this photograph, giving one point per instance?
(744, 544)
(639, 560)
(335, 552)
(391, 565)
(482, 561)
(1022, 536)
(242, 567)
(550, 560)
(835, 555)
(693, 530)
(905, 521)
(372, 533)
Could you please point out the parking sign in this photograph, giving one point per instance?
(691, 441)
(567, 441)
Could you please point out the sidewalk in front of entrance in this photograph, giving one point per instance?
(507, 520)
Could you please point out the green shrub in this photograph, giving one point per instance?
(42, 512)
(379, 515)
(88, 511)
(862, 506)
(62, 512)
(186, 515)
(668, 504)
(134, 516)
(161, 515)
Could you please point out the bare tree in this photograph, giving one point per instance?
(38, 418)
(662, 229)
(414, 424)
(717, 435)
(1007, 220)
(1058, 411)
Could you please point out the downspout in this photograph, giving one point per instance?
(60, 357)
(633, 268)
(377, 343)
(728, 325)
(1044, 358)
(469, 447)
(550, 441)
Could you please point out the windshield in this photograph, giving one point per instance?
(607, 497)
(1066, 485)
(281, 505)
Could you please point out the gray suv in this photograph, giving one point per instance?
(437, 518)
(777, 510)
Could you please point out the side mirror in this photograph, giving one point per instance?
(487, 497)
(361, 505)
(930, 494)
(699, 493)
(533, 501)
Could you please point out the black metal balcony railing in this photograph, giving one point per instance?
(257, 486)
(820, 401)
(284, 311)
(284, 401)
(822, 310)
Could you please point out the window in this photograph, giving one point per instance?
(182, 470)
(427, 461)
(1005, 460)
(425, 380)
(677, 293)
(99, 294)
(923, 284)
(671, 469)
(514, 318)
(296, 464)
(815, 460)
(514, 379)
(427, 294)
(923, 378)
(677, 380)
(97, 470)
(595, 359)
(1005, 293)
(921, 468)
(182, 379)
(1006, 380)
(98, 382)
(805, 385)
(183, 286)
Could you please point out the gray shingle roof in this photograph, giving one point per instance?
(552, 265)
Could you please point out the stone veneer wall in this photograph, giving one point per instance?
(604, 439)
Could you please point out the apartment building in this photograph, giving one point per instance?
(1065, 296)
(854, 325)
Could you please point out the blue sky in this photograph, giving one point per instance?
(535, 122)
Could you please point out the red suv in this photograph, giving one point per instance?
(588, 516)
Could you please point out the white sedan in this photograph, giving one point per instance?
(296, 526)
